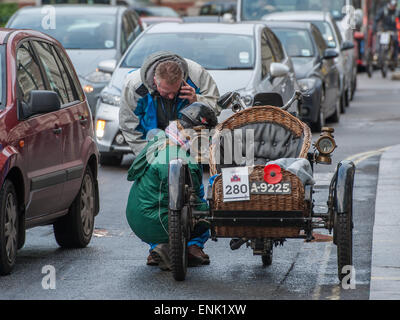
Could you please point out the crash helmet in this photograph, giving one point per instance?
(198, 114)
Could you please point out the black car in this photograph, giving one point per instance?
(316, 72)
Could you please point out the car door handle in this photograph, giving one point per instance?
(57, 130)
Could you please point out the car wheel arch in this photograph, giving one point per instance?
(93, 165)
(16, 177)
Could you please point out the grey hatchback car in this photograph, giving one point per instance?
(95, 37)
(247, 58)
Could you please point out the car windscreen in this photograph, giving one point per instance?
(256, 9)
(297, 43)
(2, 77)
(78, 30)
(211, 50)
(327, 33)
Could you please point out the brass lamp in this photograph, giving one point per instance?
(325, 145)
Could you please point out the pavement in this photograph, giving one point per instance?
(385, 264)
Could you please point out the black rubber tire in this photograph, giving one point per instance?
(110, 160)
(383, 63)
(267, 259)
(69, 230)
(354, 89)
(370, 69)
(7, 260)
(177, 246)
(344, 243)
(384, 70)
(347, 97)
(343, 103)
(336, 116)
(317, 126)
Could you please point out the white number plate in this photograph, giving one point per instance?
(385, 38)
(235, 182)
(265, 188)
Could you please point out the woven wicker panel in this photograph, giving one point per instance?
(257, 115)
(263, 202)
(256, 232)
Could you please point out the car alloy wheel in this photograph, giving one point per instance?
(75, 229)
(11, 226)
(87, 205)
(8, 227)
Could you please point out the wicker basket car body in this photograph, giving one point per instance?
(277, 134)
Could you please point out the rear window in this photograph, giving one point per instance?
(2, 77)
(207, 49)
(78, 30)
(327, 33)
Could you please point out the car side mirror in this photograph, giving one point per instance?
(41, 101)
(278, 70)
(347, 45)
(330, 54)
(107, 66)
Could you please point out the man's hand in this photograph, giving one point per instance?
(188, 92)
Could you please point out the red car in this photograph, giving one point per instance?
(48, 154)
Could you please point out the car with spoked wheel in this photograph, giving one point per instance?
(48, 154)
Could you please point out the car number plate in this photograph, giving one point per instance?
(265, 188)
(385, 38)
(235, 183)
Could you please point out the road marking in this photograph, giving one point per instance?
(335, 293)
(322, 270)
(386, 278)
(357, 158)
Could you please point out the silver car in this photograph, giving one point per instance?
(247, 58)
(95, 37)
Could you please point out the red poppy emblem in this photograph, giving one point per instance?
(272, 174)
(235, 178)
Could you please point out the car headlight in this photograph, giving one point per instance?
(306, 84)
(98, 76)
(100, 127)
(111, 99)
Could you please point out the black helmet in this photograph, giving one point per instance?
(198, 114)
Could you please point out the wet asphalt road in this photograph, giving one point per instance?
(113, 265)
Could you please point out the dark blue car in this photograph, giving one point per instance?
(316, 72)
